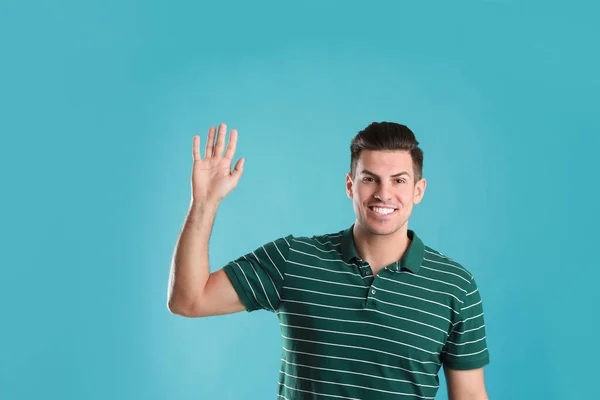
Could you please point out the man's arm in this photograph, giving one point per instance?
(466, 353)
(193, 291)
(465, 385)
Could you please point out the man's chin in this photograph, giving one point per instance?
(381, 232)
(373, 229)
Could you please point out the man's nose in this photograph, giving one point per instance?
(383, 192)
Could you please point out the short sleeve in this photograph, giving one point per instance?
(466, 347)
(258, 276)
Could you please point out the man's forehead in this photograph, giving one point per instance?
(371, 159)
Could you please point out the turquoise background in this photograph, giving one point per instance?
(99, 103)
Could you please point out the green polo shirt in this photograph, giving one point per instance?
(348, 334)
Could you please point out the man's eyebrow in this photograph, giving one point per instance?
(366, 171)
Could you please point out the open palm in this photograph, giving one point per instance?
(212, 177)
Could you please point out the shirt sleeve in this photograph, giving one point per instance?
(259, 275)
(466, 347)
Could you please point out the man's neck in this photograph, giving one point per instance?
(380, 250)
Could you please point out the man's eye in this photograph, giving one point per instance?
(400, 180)
(367, 179)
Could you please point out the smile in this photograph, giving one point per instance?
(382, 210)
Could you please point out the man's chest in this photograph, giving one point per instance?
(393, 317)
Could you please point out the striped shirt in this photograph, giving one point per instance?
(348, 334)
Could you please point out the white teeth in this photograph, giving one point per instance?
(383, 211)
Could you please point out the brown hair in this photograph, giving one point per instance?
(387, 136)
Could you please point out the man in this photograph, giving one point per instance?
(369, 312)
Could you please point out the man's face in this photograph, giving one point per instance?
(383, 190)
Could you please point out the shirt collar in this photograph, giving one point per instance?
(411, 260)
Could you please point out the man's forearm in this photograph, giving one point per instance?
(189, 267)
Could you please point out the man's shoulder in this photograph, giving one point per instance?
(436, 260)
(322, 241)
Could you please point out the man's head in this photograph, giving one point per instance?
(385, 178)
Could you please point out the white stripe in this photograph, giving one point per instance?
(283, 397)
(270, 259)
(356, 386)
(435, 280)
(310, 244)
(368, 273)
(415, 297)
(323, 305)
(261, 284)
(367, 323)
(280, 251)
(321, 280)
(462, 344)
(472, 305)
(319, 394)
(333, 244)
(329, 270)
(324, 294)
(376, 311)
(444, 263)
(362, 335)
(249, 285)
(269, 275)
(416, 309)
(288, 243)
(470, 330)
(451, 265)
(359, 361)
(445, 272)
(470, 318)
(333, 235)
(473, 292)
(437, 254)
(361, 348)
(359, 373)
(324, 259)
(465, 320)
(420, 287)
(465, 355)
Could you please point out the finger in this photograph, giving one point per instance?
(196, 148)
(220, 140)
(239, 169)
(208, 153)
(233, 135)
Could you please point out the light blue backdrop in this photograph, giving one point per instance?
(99, 103)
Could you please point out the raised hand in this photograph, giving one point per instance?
(212, 177)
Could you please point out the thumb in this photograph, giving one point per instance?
(238, 169)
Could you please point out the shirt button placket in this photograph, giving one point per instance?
(367, 272)
(372, 293)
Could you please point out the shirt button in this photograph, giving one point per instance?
(373, 291)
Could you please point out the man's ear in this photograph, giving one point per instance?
(349, 186)
(419, 190)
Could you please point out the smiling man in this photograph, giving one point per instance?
(369, 312)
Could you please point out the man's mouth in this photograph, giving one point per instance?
(382, 210)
